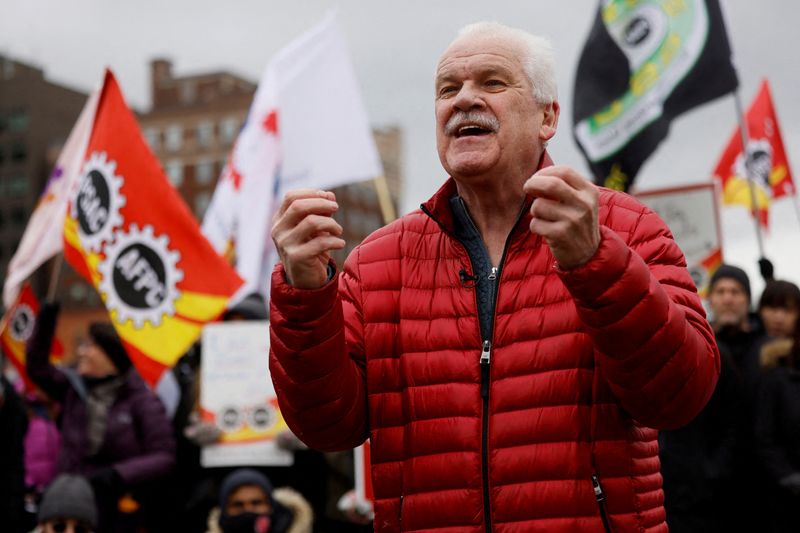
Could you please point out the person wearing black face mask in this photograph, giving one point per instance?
(249, 504)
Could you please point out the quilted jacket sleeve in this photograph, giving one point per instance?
(636, 298)
(317, 362)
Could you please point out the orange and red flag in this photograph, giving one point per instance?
(130, 234)
(769, 166)
(18, 328)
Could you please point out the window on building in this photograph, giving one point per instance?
(18, 152)
(17, 186)
(204, 172)
(188, 92)
(229, 128)
(205, 133)
(18, 120)
(174, 169)
(173, 138)
(201, 202)
(151, 136)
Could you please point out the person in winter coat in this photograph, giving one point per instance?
(114, 430)
(249, 504)
(42, 442)
(778, 411)
(736, 328)
(511, 348)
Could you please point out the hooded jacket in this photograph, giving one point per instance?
(556, 429)
(302, 515)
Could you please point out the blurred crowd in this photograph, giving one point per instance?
(736, 467)
(92, 449)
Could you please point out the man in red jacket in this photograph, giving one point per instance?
(512, 347)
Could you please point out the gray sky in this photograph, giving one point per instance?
(395, 47)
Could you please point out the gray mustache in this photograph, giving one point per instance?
(463, 118)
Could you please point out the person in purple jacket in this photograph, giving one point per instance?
(114, 430)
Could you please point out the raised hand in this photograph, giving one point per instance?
(565, 214)
(305, 233)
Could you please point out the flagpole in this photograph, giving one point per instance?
(796, 205)
(54, 275)
(751, 185)
(385, 199)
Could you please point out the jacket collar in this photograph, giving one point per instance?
(438, 206)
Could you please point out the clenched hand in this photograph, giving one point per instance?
(305, 233)
(565, 214)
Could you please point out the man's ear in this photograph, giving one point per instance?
(549, 121)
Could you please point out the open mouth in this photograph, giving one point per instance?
(472, 130)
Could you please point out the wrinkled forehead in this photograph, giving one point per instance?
(485, 48)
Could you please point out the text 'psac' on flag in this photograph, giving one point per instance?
(130, 234)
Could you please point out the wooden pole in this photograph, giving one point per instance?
(385, 199)
(54, 276)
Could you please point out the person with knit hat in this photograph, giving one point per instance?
(739, 334)
(115, 431)
(737, 329)
(249, 504)
(67, 506)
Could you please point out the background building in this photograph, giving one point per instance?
(194, 121)
(191, 127)
(36, 117)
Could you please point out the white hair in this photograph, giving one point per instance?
(538, 63)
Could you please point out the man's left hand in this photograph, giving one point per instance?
(565, 214)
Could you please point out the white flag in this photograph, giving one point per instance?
(307, 128)
(44, 234)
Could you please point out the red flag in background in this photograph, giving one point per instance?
(769, 164)
(18, 328)
(130, 234)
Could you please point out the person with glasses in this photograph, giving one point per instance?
(68, 507)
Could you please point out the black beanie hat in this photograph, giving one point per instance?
(734, 273)
(239, 478)
(105, 336)
(69, 497)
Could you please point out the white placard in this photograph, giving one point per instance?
(692, 216)
(237, 395)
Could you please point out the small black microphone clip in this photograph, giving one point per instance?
(467, 280)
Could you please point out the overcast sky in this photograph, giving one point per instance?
(395, 47)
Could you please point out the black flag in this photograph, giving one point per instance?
(643, 64)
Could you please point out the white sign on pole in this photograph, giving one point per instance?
(692, 215)
(237, 395)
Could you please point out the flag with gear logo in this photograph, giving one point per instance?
(769, 166)
(130, 234)
(18, 327)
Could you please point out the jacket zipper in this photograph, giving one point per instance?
(600, 496)
(485, 359)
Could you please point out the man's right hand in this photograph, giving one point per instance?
(305, 233)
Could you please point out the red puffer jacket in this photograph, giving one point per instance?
(584, 364)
